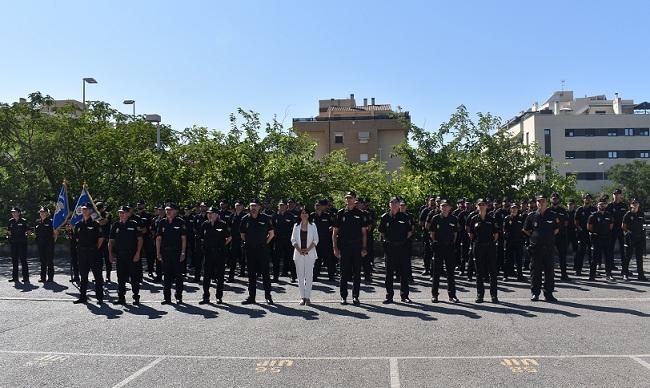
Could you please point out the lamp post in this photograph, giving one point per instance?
(155, 118)
(130, 102)
(89, 80)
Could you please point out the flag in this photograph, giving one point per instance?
(84, 197)
(62, 210)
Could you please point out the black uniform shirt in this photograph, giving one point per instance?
(171, 233)
(582, 215)
(395, 228)
(634, 222)
(145, 220)
(18, 229)
(283, 224)
(350, 224)
(44, 231)
(542, 227)
(601, 223)
(256, 229)
(562, 215)
(444, 228)
(215, 235)
(88, 232)
(482, 229)
(618, 210)
(512, 226)
(226, 216)
(323, 224)
(235, 223)
(125, 235)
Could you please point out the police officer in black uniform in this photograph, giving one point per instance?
(146, 221)
(572, 238)
(45, 238)
(283, 222)
(514, 244)
(225, 215)
(171, 248)
(617, 208)
(256, 231)
(542, 226)
(443, 231)
(584, 243)
(236, 252)
(395, 228)
(124, 246)
(349, 241)
(323, 221)
(90, 238)
(634, 240)
(561, 239)
(483, 234)
(369, 259)
(215, 237)
(197, 254)
(104, 221)
(600, 225)
(17, 231)
(409, 245)
(428, 253)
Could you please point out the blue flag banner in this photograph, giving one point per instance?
(84, 197)
(62, 210)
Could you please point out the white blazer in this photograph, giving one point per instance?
(312, 237)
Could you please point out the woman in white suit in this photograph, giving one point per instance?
(304, 239)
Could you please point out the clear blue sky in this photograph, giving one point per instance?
(194, 62)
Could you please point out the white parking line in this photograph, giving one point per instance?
(138, 373)
(394, 373)
(640, 361)
(329, 358)
(467, 300)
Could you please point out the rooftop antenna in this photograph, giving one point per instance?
(563, 82)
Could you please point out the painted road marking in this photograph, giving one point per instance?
(272, 365)
(640, 361)
(47, 359)
(394, 373)
(330, 358)
(138, 373)
(521, 365)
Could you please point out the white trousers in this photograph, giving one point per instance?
(305, 272)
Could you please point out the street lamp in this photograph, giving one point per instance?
(89, 80)
(155, 118)
(130, 102)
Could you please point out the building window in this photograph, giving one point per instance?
(629, 131)
(338, 138)
(612, 132)
(547, 131)
(644, 132)
(364, 136)
(363, 158)
(547, 142)
(601, 112)
(569, 155)
(568, 133)
(612, 154)
(527, 138)
(644, 154)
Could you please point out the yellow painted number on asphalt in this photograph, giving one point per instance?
(521, 365)
(272, 366)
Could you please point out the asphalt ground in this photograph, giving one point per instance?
(598, 334)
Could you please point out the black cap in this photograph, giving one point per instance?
(323, 202)
(124, 209)
(634, 200)
(618, 191)
(587, 196)
(212, 209)
(140, 202)
(99, 205)
(481, 201)
(203, 204)
(256, 201)
(540, 197)
(15, 209)
(444, 202)
(505, 199)
(394, 199)
(43, 209)
(555, 195)
(87, 205)
(350, 194)
(281, 202)
(291, 200)
(171, 205)
(514, 205)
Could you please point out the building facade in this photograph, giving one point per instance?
(586, 136)
(364, 131)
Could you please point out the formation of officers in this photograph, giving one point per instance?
(480, 240)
